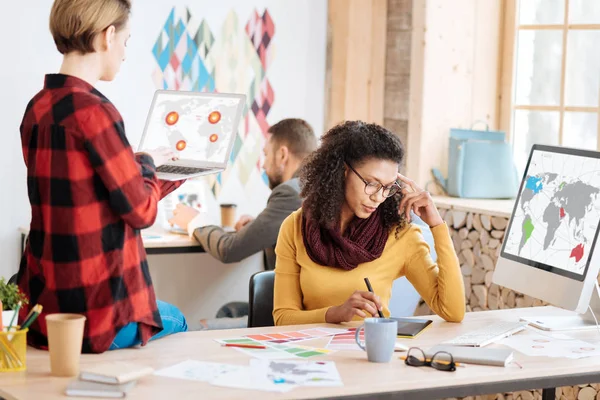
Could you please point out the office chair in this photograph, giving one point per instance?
(260, 310)
(234, 309)
(405, 297)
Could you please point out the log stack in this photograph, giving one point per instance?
(581, 392)
(477, 240)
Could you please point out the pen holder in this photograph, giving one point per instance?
(13, 350)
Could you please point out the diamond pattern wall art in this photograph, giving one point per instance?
(235, 58)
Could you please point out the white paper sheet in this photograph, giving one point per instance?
(251, 379)
(302, 373)
(265, 375)
(555, 345)
(199, 370)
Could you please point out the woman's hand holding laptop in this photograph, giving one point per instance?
(161, 155)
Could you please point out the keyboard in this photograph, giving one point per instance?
(173, 169)
(487, 335)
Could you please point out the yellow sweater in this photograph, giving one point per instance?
(304, 290)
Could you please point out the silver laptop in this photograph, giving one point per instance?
(200, 127)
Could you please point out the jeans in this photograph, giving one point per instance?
(172, 319)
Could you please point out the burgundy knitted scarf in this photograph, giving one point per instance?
(363, 242)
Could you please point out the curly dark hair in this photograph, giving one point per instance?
(322, 175)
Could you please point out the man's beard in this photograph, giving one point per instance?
(275, 180)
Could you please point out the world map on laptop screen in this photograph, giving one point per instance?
(557, 212)
(197, 128)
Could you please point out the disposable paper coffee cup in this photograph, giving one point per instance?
(228, 215)
(65, 336)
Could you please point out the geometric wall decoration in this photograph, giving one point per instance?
(191, 57)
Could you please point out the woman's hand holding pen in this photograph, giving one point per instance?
(363, 304)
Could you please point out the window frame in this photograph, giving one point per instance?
(506, 105)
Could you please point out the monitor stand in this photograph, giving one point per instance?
(567, 323)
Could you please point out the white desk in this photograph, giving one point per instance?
(362, 380)
(156, 241)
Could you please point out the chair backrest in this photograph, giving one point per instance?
(405, 297)
(269, 258)
(260, 310)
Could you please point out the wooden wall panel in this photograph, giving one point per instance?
(357, 59)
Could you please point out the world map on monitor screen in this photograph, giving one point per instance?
(557, 211)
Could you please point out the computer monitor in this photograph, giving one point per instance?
(548, 249)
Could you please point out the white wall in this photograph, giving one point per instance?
(454, 76)
(296, 73)
(26, 55)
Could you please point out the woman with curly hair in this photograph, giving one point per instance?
(355, 223)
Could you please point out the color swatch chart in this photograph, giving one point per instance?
(281, 345)
(296, 336)
(345, 340)
(274, 351)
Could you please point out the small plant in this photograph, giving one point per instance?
(10, 295)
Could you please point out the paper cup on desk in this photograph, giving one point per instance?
(65, 336)
(228, 215)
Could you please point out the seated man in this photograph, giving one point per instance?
(289, 142)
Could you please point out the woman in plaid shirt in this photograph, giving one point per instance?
(90, 194)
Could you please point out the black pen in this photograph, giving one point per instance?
(370, 288)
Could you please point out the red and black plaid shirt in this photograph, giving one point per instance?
(90, 196)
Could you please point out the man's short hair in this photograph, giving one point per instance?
(296, 134)
(74, 24)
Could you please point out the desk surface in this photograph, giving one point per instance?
(160, 240)
(361, 378)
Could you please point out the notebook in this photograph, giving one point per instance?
(94, 389)
(411, 327)
(475, 355)
(114, 372)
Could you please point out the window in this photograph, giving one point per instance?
(551, 74)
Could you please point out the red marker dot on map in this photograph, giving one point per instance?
(214, 117)
(213, 138)
(180, 145)
(562, 212)
(172, 118)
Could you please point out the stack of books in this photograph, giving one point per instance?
(107, 380)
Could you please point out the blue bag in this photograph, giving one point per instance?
(480, 165)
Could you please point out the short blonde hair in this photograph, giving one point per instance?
(74, 24)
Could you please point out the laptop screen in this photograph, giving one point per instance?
(200, 127)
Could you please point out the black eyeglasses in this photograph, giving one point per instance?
(373, 187)
(441, 360)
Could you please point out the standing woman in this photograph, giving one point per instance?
(90, 195)
(353, 225)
